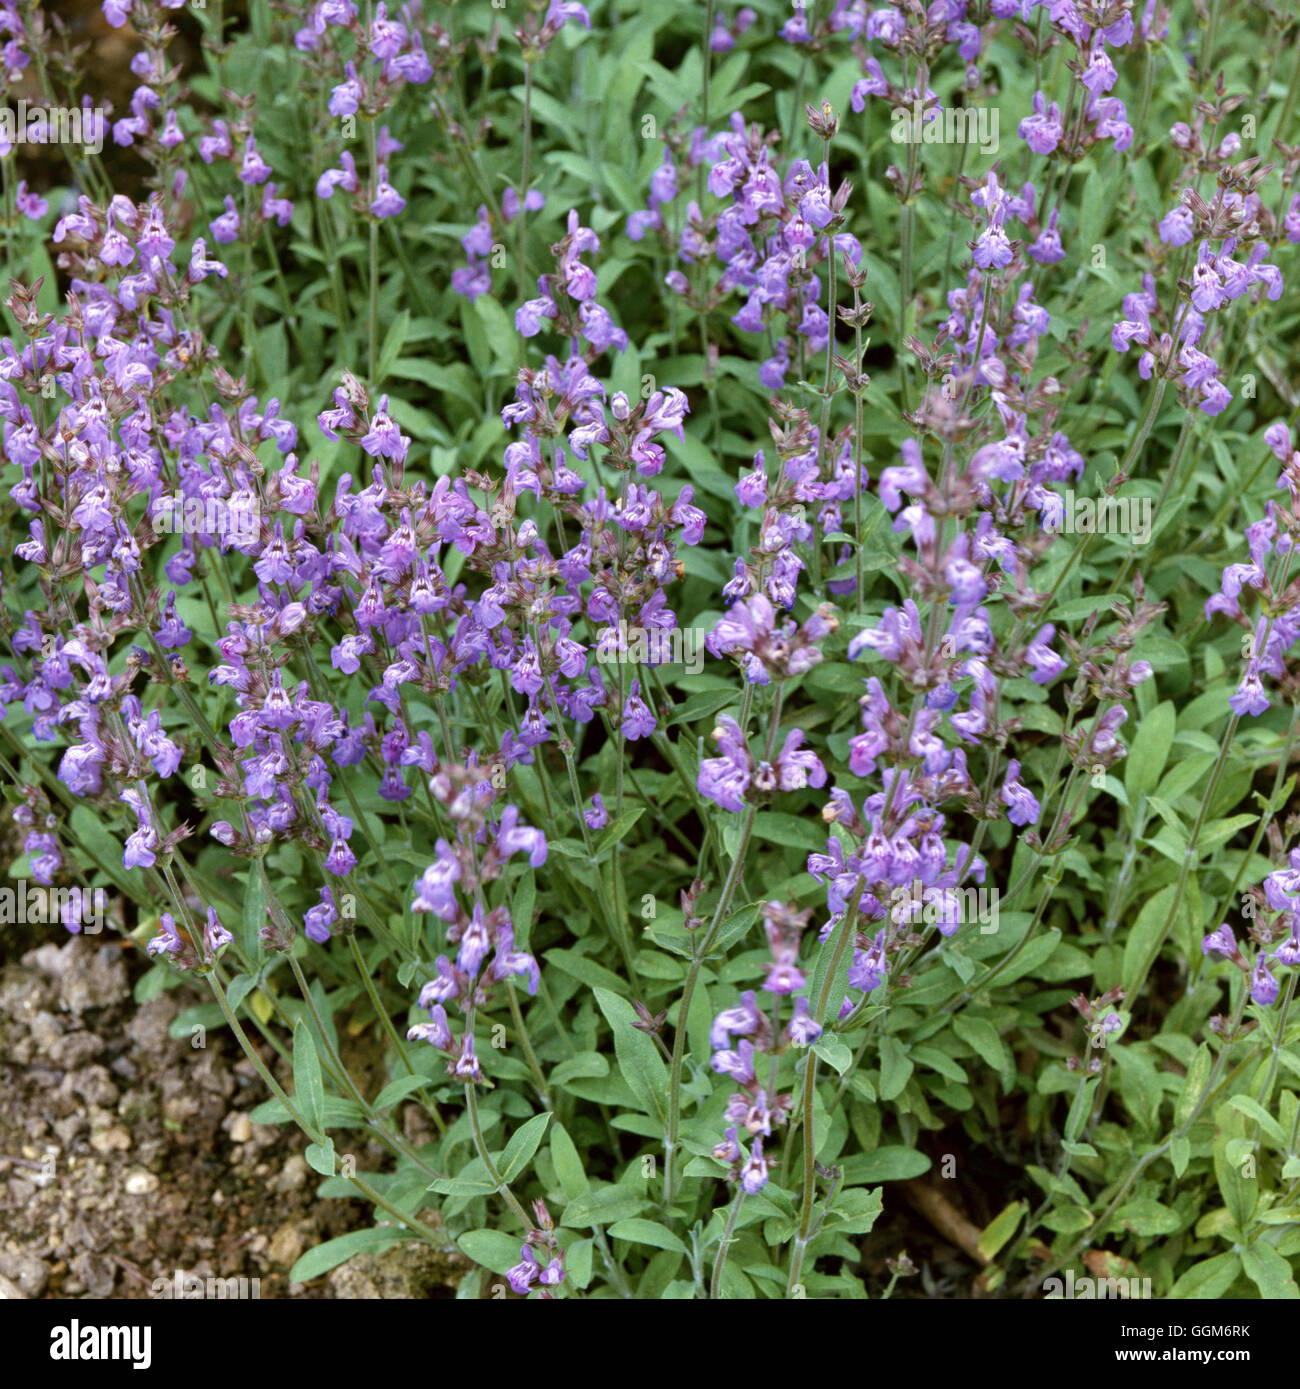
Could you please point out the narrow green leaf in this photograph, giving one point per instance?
(337, 1251)
(646, 1232)
(1147, 936)
(1149, 750)
(568, 1164)
(1269, 1271)
(639, 1061)
(309, 1088)
(1209, 1279)
(524, 1142)
(1000, 1229)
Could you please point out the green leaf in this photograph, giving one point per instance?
(394, 341)
(1194, 1084)
(500, 331)
(585, 1065)
(1240, 1193)
(338, 1251)
(521, 909)
(524, 1142)
(494, 1249)
(639, 1061)
(1252, 1109)
(339, 1113)
(1150, 750)
(577, 1263)
(1269, 1271)
(398, 1090)
(253, 918)
(893, 1164)
(568, 1164)
(1147, 1217)
(617, 832)
(839, 985)
(855, 1211)
(240, 987)
(309, 1088)
(798, 833)
(647, 1232)
(895, 1068)
(834, 1052)
(475, 337)
(982, 1037)
(464, 1185)
(1080, 1109)
(1147, 936)
(603, 1205)
(1209, 1279)
(1180, 1154)
(1000, 1229)
(320, 1157)
(734, 928)
(1139, 1082)
(586, 971)
(1183, 775)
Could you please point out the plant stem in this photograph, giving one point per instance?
(724, 1245)
(502, 1186)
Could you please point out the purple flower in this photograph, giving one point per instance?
(802, 1029)
(534, 201)
(436, 1032)
(383, 439)
(725, 779)
(1249, 697)
(508, 960)
(1263, 987)
(387, 202)
(524, 1274)
(729, 1150)
(215, 935)
(636, 718)
(1221, 942)
(1288, 953)
(1046, 664)
(466, 1066)
(1042, 131)
(514, 838)
(31, 205)
(561, 11)
(1047, 249)
(253, 169)
(1024, 808)
(320, 918)
(753, 1177)
(168, 941)
(225, 228)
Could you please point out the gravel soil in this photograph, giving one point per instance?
(127, 1154)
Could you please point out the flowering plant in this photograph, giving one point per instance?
(599, 600)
